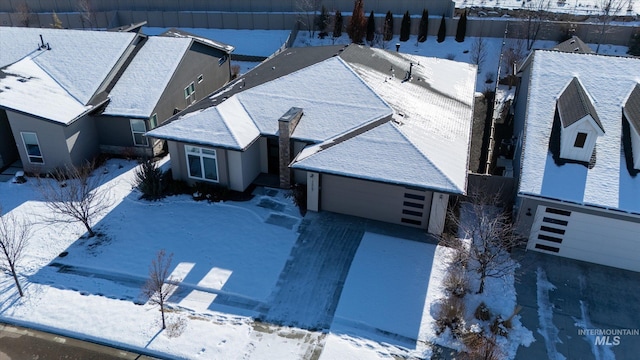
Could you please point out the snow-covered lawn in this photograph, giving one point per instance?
(228, 257)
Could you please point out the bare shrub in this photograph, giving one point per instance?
(235, 71)
(479, 52)
(77, 195)
(456, 282)
(176, 326)
(451, 315)
(482, 348)
(482, 312)
(24, 14)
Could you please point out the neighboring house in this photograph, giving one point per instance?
(371, 133)
(67, 95)
(577, 120)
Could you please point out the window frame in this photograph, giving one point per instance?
(200, 78)
(26, 149)
(222, 60)
(201, 155)
(153, 121)
(134, 132)
(189, 90)
(581, 140)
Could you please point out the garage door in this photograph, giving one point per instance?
(586, 237)
(373, 200)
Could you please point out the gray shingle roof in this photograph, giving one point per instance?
(632, 108)
(574, 104)
(573, 45)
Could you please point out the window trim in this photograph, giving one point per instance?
(189, 90)
(24, 143)
(200, 78)
(581, 140)
(222, 60)
(201, 156)
(134, 132)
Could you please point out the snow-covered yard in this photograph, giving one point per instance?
(228, 257)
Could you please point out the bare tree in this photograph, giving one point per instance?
(513, 53)
(77, 195)
(24, 14)
(87, 15)
(159, 285)
(307, 13)
(490, 234)
(608, 9)
(14, 236)
(537, 11)
(479, 51)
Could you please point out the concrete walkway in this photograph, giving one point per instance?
(582, 295)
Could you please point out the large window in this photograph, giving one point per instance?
(138, 128)
(581, 138)
(202, 163)
(32, 146)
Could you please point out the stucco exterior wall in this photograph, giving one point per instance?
(51, 138)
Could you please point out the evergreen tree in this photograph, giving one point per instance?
(424, 26)
(357, 24)
(634, 45)
(442, 31)
(337, 26)
(405, 27)
(462, 27)
(371, 27)
(388, 27)
(322, 20)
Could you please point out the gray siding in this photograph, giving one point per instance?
(373, 200)
(51, 137)
(8, 150)
(82, 140)
(199, 60)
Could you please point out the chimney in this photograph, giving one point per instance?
(286, 124)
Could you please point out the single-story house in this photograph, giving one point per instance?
(67, 95)
(372, 133)
(577, 158)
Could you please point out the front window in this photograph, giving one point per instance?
(202, 163)
(138, 128)
(581, 138)
(32, 146)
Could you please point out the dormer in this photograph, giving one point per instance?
(631, 111)
(580, 125)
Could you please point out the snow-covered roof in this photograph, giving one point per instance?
(78, 60)
(26, 87)
(608, 81)
(139, 88)
(434, 110)
(227, 125)
(384, 154)
(345, 95)
(177, 33)
(333, 98)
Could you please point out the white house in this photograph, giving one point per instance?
(577, 121)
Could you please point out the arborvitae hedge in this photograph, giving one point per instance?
(388, 27)
(442, 31)
(337, 26)
(462, 27)
(358, 23)
(405, 27)
(424, 26)
(371, 27)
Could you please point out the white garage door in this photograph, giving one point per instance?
(586, 237)
(374, 200)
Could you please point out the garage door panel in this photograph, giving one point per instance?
(586, 237)
(384, 202)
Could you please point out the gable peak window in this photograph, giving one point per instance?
(581, 139)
